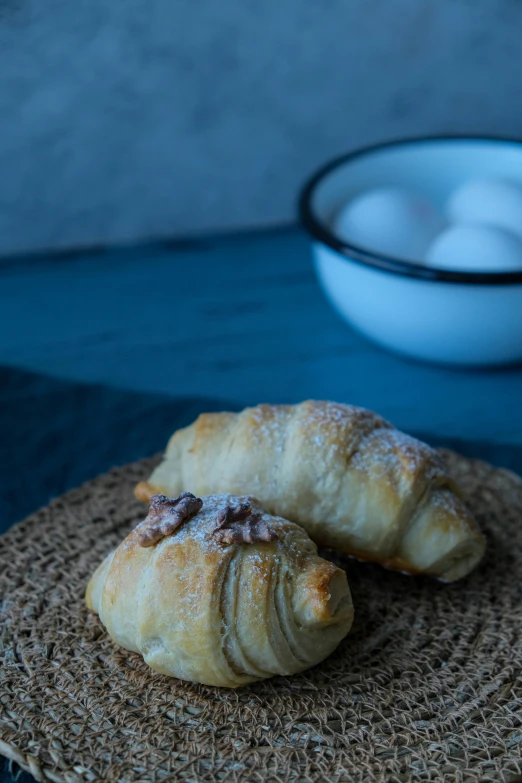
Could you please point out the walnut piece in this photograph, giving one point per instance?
(165, 516)
(240, 525)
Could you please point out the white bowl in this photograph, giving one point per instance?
(437, 315)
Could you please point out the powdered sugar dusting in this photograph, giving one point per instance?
(366, 440)
(335, 429)
(269, 424)
(444, 499)
(393, 455)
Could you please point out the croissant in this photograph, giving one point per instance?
(345, 474)
(216, 591)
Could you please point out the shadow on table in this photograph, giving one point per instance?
(54, 435)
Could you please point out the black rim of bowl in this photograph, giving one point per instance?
(319, 231)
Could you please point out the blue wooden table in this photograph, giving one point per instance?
(103, 353)
(239, 318)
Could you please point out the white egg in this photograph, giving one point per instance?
(493, 201)
(393, 221)
(476, 248)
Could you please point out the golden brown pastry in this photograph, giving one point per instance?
(216, 591)
(345, 474)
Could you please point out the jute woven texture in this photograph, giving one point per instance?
(426, 687)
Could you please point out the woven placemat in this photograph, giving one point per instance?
(426, 687)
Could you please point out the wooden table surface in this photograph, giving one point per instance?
(234, 317)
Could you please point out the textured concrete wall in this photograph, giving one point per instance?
(131, 118)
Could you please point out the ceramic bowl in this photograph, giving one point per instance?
(449, 317)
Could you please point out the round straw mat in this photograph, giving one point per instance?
(427, 686)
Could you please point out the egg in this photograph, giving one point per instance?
(393, 221)
(476, 248)
(494, 201)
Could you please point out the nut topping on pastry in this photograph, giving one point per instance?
(165, 516)
(240, 525)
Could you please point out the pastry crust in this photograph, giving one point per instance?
(352, 480)
(223, 613)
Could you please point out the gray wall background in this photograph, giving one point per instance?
(124, 119)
